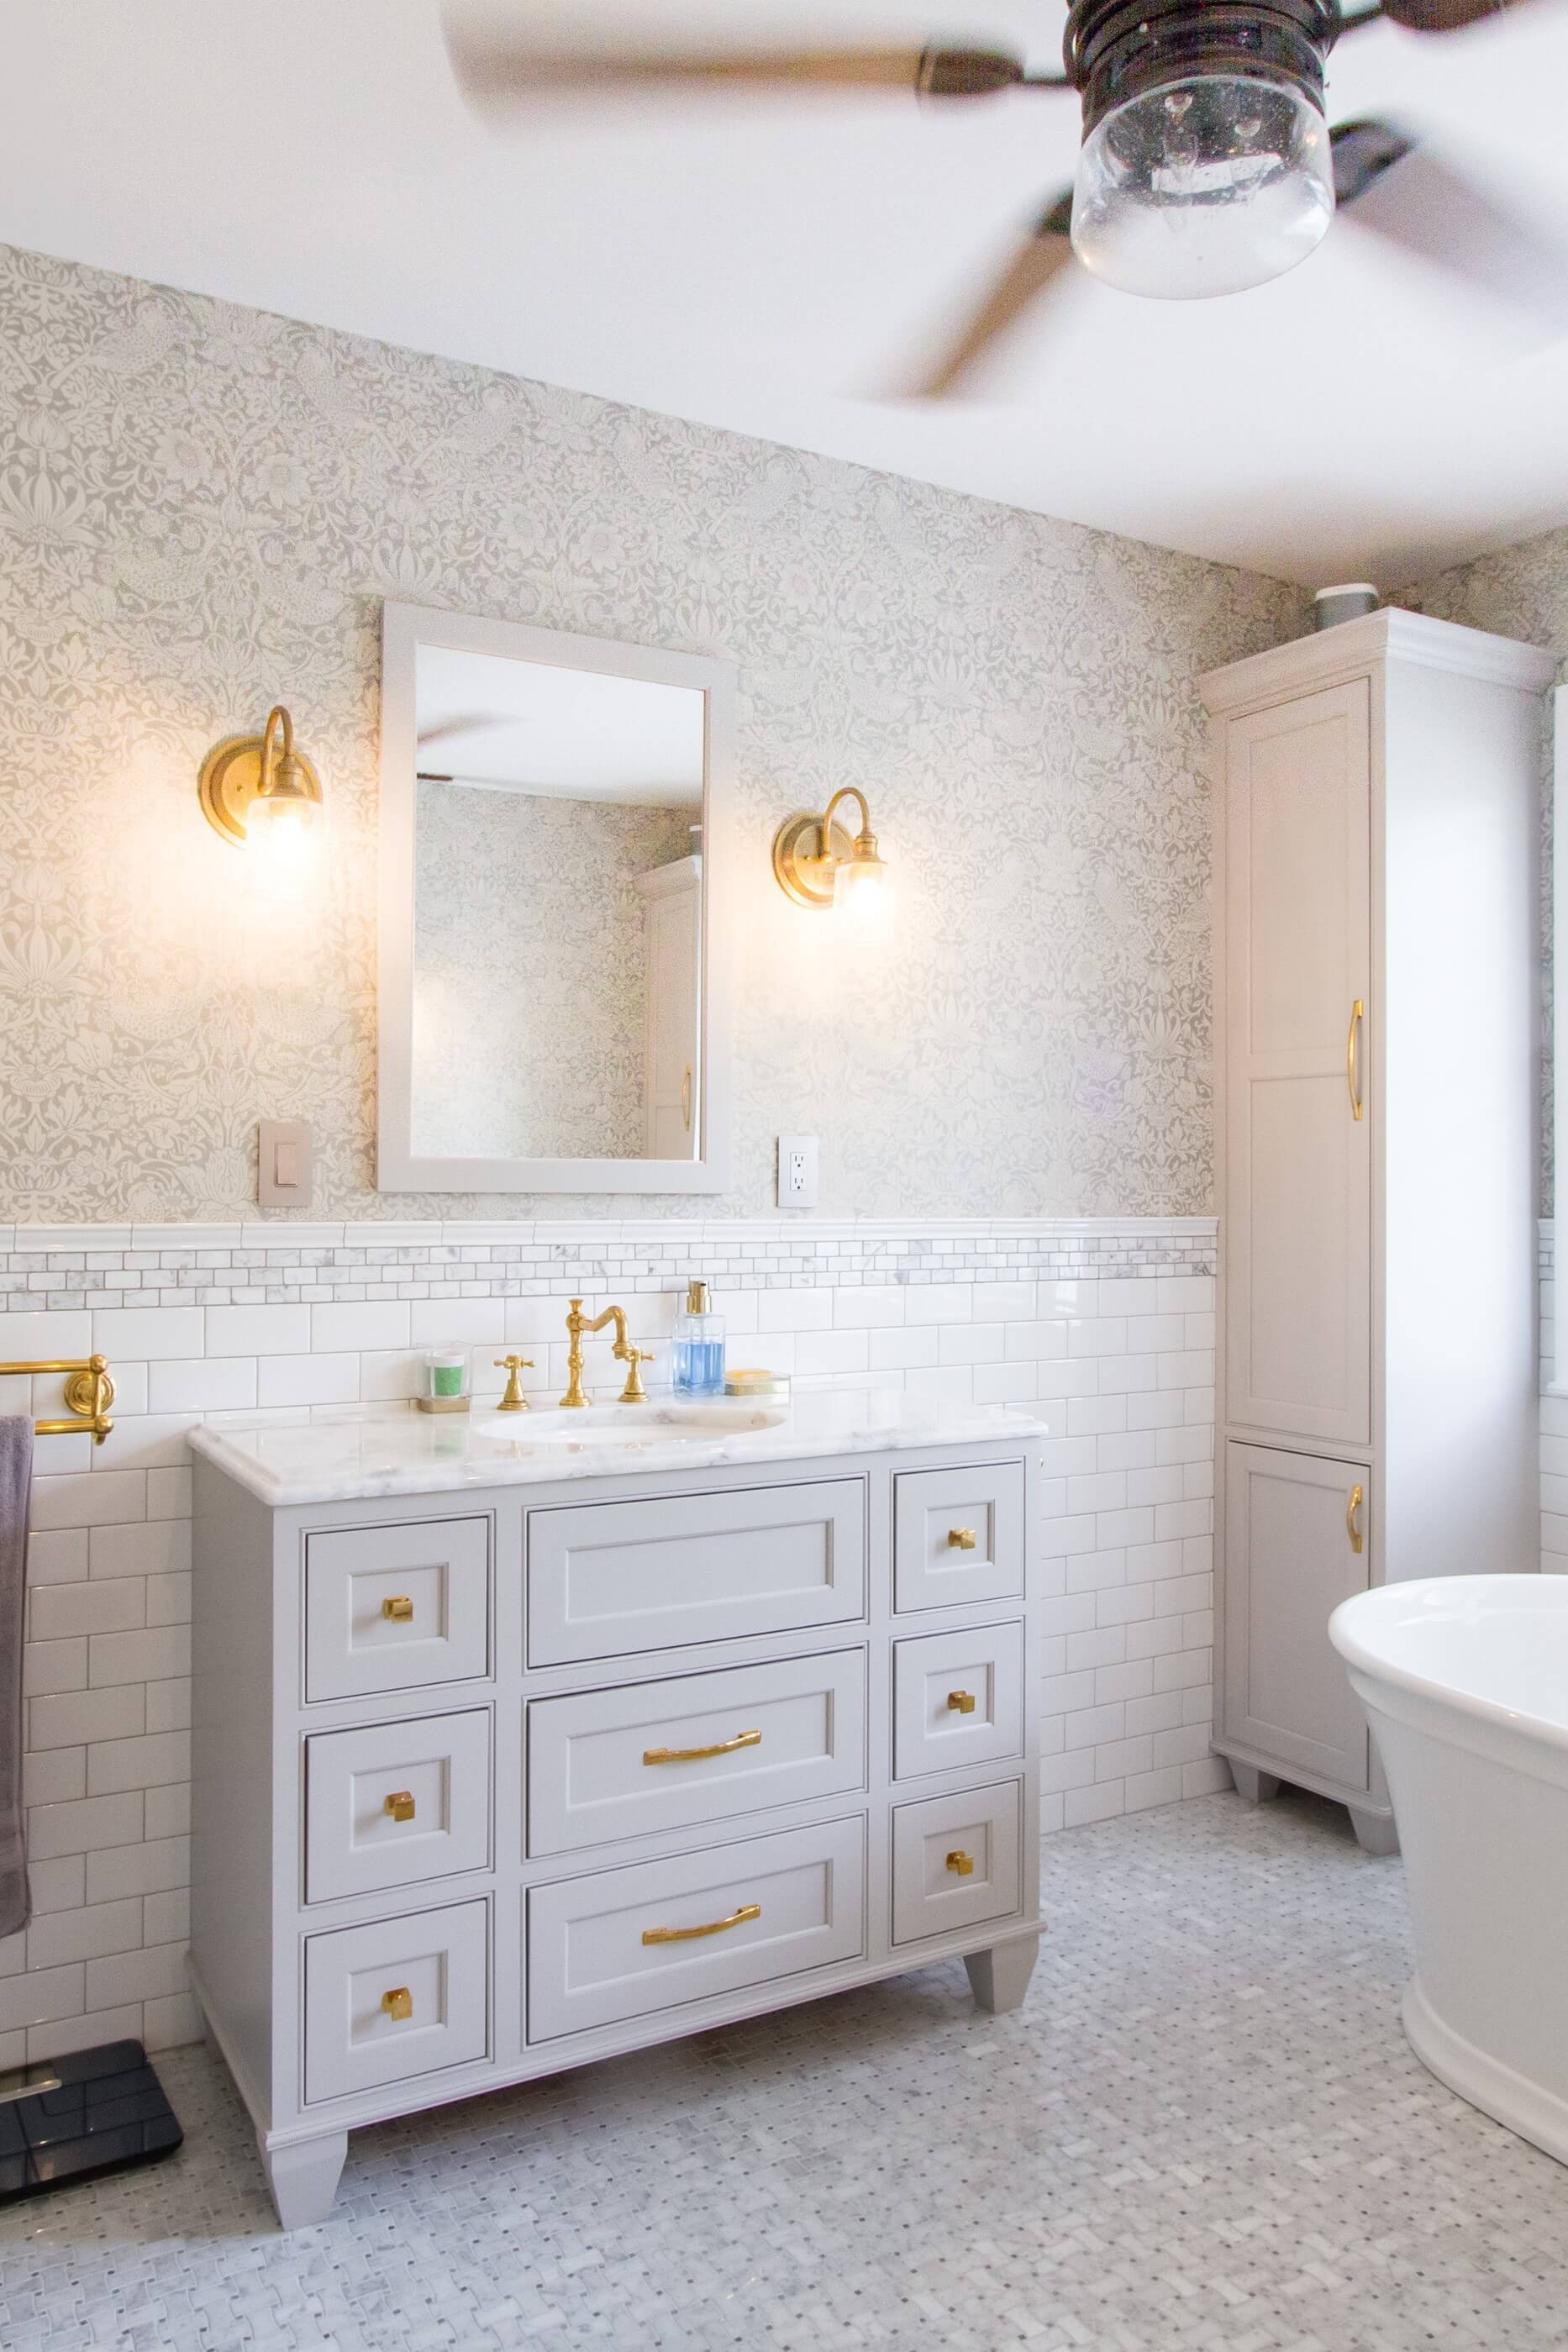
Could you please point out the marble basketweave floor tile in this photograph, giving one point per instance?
(1204, 2132)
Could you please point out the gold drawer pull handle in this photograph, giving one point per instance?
(1351, 1508)
(400, 1609)
(398, 2003)
(961, 1863)
(400, 1805)
(961, 1702)
(1358, 1015)
(960, 1539)
(714, 1927)
(695, 1754)
(685, 1101)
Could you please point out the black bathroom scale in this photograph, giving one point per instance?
(67, 2118)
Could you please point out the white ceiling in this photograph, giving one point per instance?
(772, 266)
(565, 734)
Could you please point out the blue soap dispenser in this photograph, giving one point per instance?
(697, 1356)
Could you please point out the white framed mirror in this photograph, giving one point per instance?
(556, 814)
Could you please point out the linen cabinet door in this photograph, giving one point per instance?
(1298, 1003)
(1297, 1545)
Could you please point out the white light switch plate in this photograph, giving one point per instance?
(284, 1174)
(797, 1172)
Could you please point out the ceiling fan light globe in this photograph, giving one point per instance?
(1205, 186)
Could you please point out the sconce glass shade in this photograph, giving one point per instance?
(1204, 185)
(860, 882)
(283, 832)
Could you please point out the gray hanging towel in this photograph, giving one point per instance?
(15, 1483)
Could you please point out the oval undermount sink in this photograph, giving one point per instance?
(698, 1422)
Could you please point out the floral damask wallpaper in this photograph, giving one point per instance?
(529, 978)
(1520, 591)
(201, 507)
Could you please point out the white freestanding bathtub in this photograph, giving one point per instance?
(1465, 1682)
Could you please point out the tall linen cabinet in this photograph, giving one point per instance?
(1377, 952)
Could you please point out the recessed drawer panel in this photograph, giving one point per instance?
(669, 1755)
(664, 1933)
(396, 1802)
(394, 1608)
(956, 1862)
(957, 1699)
(608, 1578)
(958, 1536)
(396, 1998)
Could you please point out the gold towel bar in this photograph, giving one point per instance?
(88, 1393)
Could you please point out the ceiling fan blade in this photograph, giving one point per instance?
(466, 722)
(1444, 15)
(1027, 275)
(1423, 207)
(499, 60)
(1362, 152)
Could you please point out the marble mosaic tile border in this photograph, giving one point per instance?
(60, 1267)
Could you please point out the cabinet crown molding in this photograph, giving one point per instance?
(1356, 646)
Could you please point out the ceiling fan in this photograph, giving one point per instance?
(1207, 166)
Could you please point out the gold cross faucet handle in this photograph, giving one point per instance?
(513, 1400)
(634, 1358)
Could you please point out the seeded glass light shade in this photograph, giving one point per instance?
(283, 832)
(1203, 186)
(860, 884)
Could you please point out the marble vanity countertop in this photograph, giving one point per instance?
(353, 1457)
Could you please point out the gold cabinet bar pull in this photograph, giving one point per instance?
(712, 1926)
(1351, 1508)
(685, 1101)
(398, 2003)
(695, 1754)
(400, 1805)
(961, 1702)
(960, 1539)
(1358, 1015)
(398, 1608)
(961, 1863)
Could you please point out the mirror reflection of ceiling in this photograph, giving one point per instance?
(569, 734)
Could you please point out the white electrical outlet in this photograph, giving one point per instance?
(797, 1172)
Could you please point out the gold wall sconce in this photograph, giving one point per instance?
(818, 863)
(258, 791)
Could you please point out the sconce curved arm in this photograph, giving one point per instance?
(845, 793)
(276, 717)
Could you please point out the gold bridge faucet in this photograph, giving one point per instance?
(577, 1323)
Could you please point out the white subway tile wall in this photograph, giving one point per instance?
(1104, 1326)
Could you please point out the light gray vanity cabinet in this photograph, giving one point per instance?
(1376, 816)
(501, 1777)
